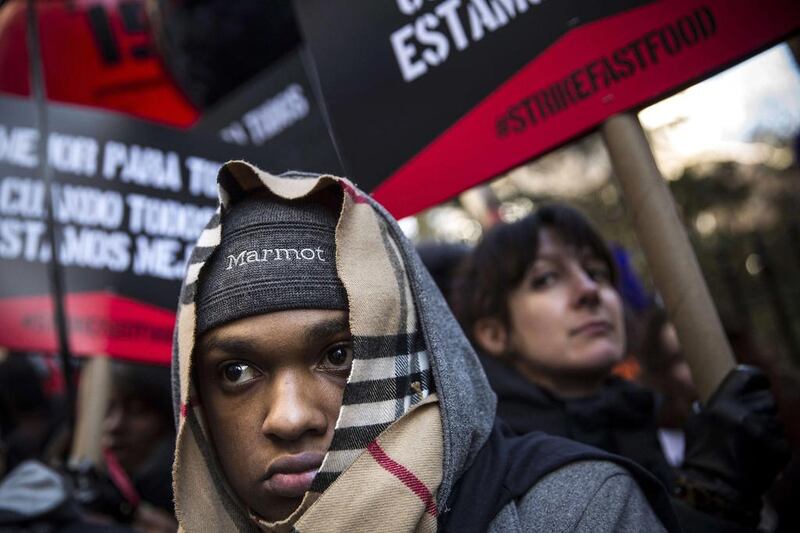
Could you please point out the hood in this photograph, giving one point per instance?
(395, 311)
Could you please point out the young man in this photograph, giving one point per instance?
(322, 385)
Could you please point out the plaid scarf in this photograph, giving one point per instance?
(390, 382)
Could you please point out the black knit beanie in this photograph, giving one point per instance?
(275, 255)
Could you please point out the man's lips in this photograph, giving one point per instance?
(291, 476)
(593, 327)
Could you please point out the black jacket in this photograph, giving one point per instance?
(620, 419)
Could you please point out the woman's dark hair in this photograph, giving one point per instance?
(499, 262)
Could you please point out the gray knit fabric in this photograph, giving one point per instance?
(582, 497)
(275, 255)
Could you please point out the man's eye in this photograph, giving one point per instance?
(338, 358)
(237, 372)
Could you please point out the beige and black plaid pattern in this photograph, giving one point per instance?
(391, 371)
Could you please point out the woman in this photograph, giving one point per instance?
(538, 299)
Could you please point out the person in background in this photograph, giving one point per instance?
(31, 424)
(539, 301)
(666, 372)
(38, 493)
(138, 445)
(442, 260)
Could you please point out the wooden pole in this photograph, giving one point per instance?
(669, 253)
(93, 395)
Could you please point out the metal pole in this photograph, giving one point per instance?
(669, 253)
(54, 269)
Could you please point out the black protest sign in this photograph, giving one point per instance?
(278, 113)
(130, 198)
(22, 215)
(394, 74)
(427, 98)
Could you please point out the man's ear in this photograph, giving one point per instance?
(491, 335)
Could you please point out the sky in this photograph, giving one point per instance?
(756, 97)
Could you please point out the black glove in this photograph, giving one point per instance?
(735, 447)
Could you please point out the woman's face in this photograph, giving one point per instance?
(132, 429)
(566, 321)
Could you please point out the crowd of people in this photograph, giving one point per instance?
(42, 489)
(352, 389)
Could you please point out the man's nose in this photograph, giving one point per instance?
(294, 409)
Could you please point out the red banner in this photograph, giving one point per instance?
(592, 73)
(443, 118)
(99, 323)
